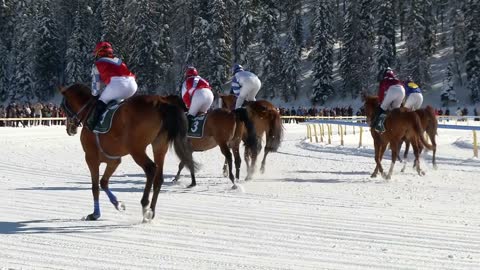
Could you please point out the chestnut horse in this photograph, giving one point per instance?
(430, 125)
(398, 125)
(139, 122)
(266, 119)
(223, 128)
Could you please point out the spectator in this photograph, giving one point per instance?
(37, 113)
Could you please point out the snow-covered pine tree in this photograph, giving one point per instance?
(220, 43)
(110, 16)
(386, 48)
(359, 36)
(243, 30)
(429, 22)
(77, 56)
(22, 77)
(323, 32)
(6, 30)
(458, 42)
(418, 64)
(145, 55)
(293, 49)
(199, 49)
(270, 51)
(47, 61)
(448, 94)
(472, 55)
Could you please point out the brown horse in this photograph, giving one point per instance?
(398, 125)
(225, 129)
(139, 122)
(430, 125)
(266, 119)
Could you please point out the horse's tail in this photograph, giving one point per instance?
(274, 134)
(175, 123)
(432, 125)
(251, 141)
(417, 126)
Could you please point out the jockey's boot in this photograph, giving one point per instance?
(95, 115)
(379, 119)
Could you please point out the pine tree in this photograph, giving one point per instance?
(356, 64)
(77, 68)
(219, 44)
(429, 23)
(448, 94)
(458, 42)
(418, 64)
(110, 17)
(472, 56)
(199, 49)
(22, 77)
(323, 52)
(244, 31)
(6, 30)
(270, 50)
(386, 50)
(293, 49)
(47, 58)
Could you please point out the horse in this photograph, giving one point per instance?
(225, 129)
(398, 125)
(139, 122)
(266, 119)
(430, 125)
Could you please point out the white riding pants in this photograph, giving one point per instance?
(248, 91)
(202, 99)
(119, 88)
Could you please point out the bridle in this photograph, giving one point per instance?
(76, 117)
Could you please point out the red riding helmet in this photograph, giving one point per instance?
(389, 75)
(191, 71)
(103, 49)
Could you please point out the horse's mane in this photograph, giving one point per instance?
(80, 88)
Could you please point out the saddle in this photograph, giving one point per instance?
(196, 125)
(105, 122)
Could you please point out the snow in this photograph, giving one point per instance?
(316, 207)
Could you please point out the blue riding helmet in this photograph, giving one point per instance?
(237, 68)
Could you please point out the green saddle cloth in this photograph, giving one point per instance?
(196, 126)
(105, 121)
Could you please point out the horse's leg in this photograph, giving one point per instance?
(148, 167)
(394, 158)
(266, 150)
(238, 160)
(93, 165)
(405, 155)
(381, 152)
(252, 158)
(225, 168)
(228, 155)
(377, 151)
(417, 149)
(109, 170)
(434, 151)
(160, 150)
(180, 168)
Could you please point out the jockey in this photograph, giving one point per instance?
(196, 93)
(112, 72)
(414, 95)
(390, 95)
(245, 85)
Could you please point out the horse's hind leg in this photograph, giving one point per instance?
(148, 167)
(160, 150)
(416, 151)
(180, 168)
(266, 150)
(228, 155)
(238, 161)
(394, 159)
(93, 165)
(109, 170)
(434, 151)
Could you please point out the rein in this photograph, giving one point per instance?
(76, 116)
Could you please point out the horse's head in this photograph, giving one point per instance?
(76, 104)
(228, 101)
(371, 104)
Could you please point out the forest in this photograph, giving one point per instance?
(340, 46)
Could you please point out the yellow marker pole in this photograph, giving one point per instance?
(345, 130)
(308, 131)
(361, 135)
(341, 135)
(475, 145)
(338, 129)
(353, 130)
(315, 130)
(329, 134)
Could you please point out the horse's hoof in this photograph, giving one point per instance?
(191, 185)
(225, 173)
(234, 187)
(120, 206)
(374, 175)
(148, 215)
(248, 178)
(262, 170)
(421, 173)
(91, 217)
(435, 166)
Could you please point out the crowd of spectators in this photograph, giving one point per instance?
(36, 111)
(324, 112)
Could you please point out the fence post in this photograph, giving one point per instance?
(345, 130)
(475, 145)
(353, 130)
(315, 130)
(361, 135)
(320, 130)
